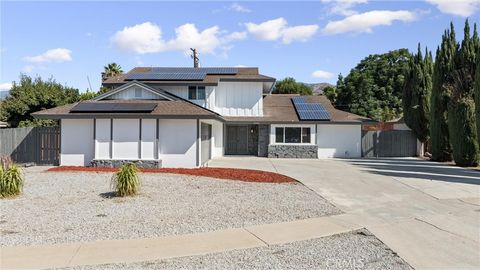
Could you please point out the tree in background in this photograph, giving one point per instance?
(477, 95)
(416, 94)
(32, 95)
(440, 147)
(461, 105)
(290, 86)
(331, 93)
(374, 88)
(111, 70)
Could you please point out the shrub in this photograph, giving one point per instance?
(126, 182)
(11, 181)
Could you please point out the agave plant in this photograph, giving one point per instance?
(11, 180)
(126, 182)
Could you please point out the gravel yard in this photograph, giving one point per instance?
(61, 207)
(355, 250)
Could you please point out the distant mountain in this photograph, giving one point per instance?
(317, 88)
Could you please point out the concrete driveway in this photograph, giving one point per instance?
(427, 212)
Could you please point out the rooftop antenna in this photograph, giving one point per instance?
(195, 57)
(89, 84)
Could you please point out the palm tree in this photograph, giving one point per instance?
(110, 70)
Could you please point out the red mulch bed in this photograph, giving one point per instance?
(221, 173)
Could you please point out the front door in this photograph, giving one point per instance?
(206, 142)
(237, 140)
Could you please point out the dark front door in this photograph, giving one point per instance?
(237, 140)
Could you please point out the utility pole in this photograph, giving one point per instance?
(195, 57)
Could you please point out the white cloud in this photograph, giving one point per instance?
(344, 7)
(239, 8)
(322, 74)
(58, 55)
(140, 38)
(147, 38)
(364, 22)
(299, 33)
(463, 8)
(5, 86)
(278, 29)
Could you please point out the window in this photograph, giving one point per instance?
(138, 92)
(279, 135)
(196, 92)
(292, 135)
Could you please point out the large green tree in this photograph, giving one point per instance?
(31, 95)
(374, 87)
(290, 86)
(440, 146)
(112, 69)
(416, 94)
(477, 95)
(461, 105)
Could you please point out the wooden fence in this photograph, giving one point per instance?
(389, 143)
(39, 145)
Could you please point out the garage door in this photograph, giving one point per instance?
(206, 142)
(339, 141)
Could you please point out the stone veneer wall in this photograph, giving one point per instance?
(263, 140)
(116, 163)
(292, 151)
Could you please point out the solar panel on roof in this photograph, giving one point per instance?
(202, 70)
(309, 111)
(166, 76)
(84, 107)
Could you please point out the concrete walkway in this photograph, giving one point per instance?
(137, 250)
(427, 212)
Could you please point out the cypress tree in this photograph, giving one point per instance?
(461, 105)
(477, 95)
(440, 143)
(416, 95)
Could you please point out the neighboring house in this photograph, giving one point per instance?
(182, 117)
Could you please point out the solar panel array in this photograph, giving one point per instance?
(166, 76)
(180, 73)
(310, 111)
(85, 107)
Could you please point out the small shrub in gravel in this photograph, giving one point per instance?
(126, 182)
(11, 180)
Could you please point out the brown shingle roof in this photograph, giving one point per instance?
(244, 73)
(175, 108)
(279, 108)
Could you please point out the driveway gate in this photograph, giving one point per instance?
(389, 143)
(39, 145)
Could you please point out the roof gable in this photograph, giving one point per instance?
(130, 90)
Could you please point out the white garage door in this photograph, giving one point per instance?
(339, 141)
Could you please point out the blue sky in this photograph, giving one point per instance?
(311, 41)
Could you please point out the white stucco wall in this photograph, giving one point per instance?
(178, 142)
(126, 134)
(149, 133)
(339, 141)
(102, 142)
(77, 144)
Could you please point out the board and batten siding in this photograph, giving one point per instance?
(339, 141)
(135, 92)
(239, 99)
(182, 91)
(77, 142)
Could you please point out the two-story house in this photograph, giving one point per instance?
(183, 117)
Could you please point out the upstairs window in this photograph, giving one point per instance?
(196, 92)
(292, 135)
